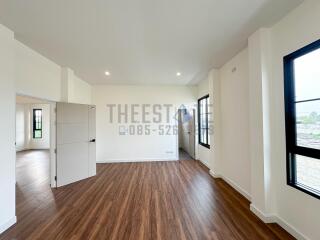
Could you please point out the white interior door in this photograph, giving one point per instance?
(75, 127)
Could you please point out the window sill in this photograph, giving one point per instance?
(305, 189)
(205, 145)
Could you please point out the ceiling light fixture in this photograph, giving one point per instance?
(107, 73)
(178, 74)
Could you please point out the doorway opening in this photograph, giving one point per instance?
(34, 144)
(186, 134)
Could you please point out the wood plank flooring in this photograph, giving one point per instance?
(183, 155)
(161, 200)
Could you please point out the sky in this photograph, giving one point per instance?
(307, 80)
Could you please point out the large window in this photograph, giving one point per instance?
(203, 120)
(37, 123)
(302, 100)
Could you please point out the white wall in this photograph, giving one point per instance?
(22, 126)
(35, 75)
(74, 89)
(79, 91)
(234, 91)
(24, 122)
(296, 30)
(7, 130)
(111, 147)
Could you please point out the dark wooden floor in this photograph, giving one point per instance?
(162, 200)
(183, 155)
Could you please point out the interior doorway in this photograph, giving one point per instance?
(34, 141)
(186, 131)
(33, 144)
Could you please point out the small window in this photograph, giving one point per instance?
(203, 121)
(37, 123)
(302, 102)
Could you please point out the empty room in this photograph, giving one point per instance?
(158, 119)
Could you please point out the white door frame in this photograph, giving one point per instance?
(195, 111)
(53, 133)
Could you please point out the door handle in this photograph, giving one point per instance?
(92, 140)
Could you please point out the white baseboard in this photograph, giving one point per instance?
(232, 184)
(204, 163)
(30, 149)
(290, 229)
(276, 219)
(138, 160)
(214, 175)
(6, 225)
(266, 218)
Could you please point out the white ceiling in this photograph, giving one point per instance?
(140, 41)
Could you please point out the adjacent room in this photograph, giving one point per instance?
(32, 152)
(186, 133)
(163, 120)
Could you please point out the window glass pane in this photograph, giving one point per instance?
(307, 76)
(201, 136)
(37, 134)
(203, 106)
(203, 121)
(308, 172)
(308, 124)
(204, 136)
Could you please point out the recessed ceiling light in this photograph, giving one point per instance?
(178, 74)
(107, 73)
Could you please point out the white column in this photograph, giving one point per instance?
(262, 193)
(67, 76)
(215, 149)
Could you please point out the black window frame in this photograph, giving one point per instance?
(292, 148)
(35, 128)
(204, 144)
